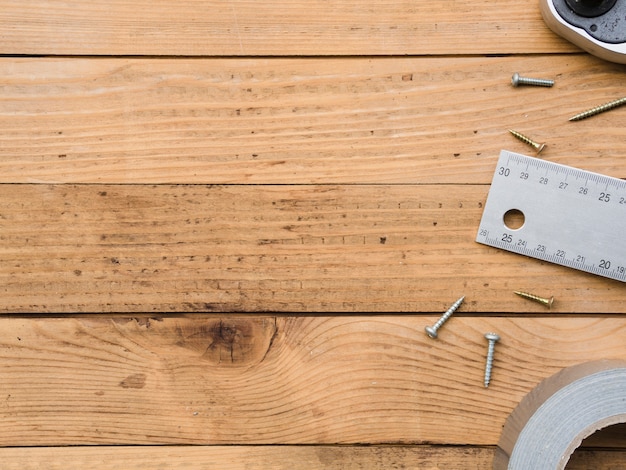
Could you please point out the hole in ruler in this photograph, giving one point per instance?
(514, 219)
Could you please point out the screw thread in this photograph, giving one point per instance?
(489, 362)
(518, 80)
(536, 82)
(527, 140)
(492, 338)
(536, 298)
(599, 109)
(448, 313)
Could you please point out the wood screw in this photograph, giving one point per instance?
(599, 109)
(432, 330)
(527, 140)
(547, 302)
(518, 80)
(493, 338)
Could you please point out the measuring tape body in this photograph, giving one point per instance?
(571, 217)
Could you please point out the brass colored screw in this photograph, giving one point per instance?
(547, 302)
(527, 140)
(599, 109)
(493, 338)
(432, 330)
(517, 80)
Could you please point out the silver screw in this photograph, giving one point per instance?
(599, 109)
(493, 338)
(432, 330)
(518, 80)
(527, 140)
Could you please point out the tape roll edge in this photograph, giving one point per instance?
(541, 404)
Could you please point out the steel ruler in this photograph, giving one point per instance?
(557, 213)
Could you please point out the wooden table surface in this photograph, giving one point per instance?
(208, 207)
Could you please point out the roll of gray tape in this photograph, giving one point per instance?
(551, 421)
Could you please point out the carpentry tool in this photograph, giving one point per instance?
(557, 213)
(597, 26)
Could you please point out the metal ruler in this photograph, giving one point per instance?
(568, 216)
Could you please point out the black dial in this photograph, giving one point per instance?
(590, 8)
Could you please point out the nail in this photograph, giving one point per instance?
(547, 302)
(493, 338)
(518, 80)
(527, 140)
(599, 109)
(432, 330)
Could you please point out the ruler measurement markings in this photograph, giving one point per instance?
(580, 202)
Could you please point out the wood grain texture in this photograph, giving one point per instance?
(311, 121)
(323, 161)
(277, 458)
(280, 379)
(318, 248)
(287, 27)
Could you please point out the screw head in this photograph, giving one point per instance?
(430, 331)
(515, 79)
(492, 336)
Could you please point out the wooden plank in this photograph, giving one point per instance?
(243, 457)
(612, 437)
(277, 458)
(279, 380)
(288, 27)
(288, 248)
(353, 120)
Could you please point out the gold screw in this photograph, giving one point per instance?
(536, 145)
(547, 302)
(599, 109)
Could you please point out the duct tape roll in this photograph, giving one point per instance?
(551, 421)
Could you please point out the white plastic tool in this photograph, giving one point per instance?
(597, 26)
